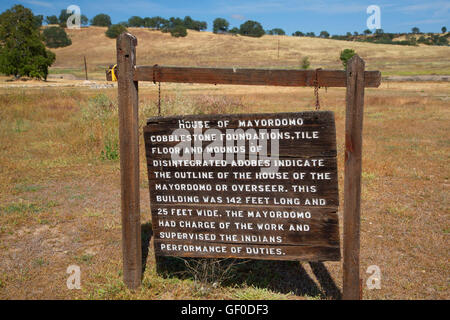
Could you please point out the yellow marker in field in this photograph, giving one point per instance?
(113, 74)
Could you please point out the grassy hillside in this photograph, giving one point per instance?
(208, 49)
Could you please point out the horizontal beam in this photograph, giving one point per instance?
(262, 77)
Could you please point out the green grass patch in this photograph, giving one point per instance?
(39, 262)
(85, 258)
(27, 188)
(21, 207)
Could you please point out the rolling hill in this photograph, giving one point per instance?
(208, 49)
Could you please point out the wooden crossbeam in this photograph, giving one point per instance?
(263, 77)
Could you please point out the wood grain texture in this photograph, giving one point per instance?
(264, 77)
(259, 252)
(129, 161)
(317, 235)
(322, 223)
(352, 179)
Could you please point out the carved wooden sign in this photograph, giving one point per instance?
(253, 186)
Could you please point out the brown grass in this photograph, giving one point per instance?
(59, 196)
(208, 49)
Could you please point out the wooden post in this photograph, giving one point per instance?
(85, 68)
(352, 180)
(129, 160)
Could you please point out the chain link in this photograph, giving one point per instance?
(316, 89)
(159, 99)
(159, 89)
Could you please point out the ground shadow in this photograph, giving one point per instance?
(278, 276)
(146, 237)
(327, 283)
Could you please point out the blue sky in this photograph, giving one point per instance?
(335, 16)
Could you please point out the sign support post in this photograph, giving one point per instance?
(129, 160)
(352, 181)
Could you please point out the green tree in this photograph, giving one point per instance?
(22, 50)
(277, 32)
(84, 20)
(367, 32)
(159, 22)
(101, 20)
(38, 20)
(56, 37)
(136, 22)
(52, 19)
(310, 34)
(63, 16)
(298, 34)
(444, 29)
(251, 29)
(324, 34)
(115, 30)
(234, 31)
(346, 55)
(178, 31)
(220, 25)
(199, 25)
(415, 30)
(189, 23)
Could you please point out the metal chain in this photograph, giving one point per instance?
(159, 89)
(159, 99)
(316, 90)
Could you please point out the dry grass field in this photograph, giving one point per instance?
(60, 191)
(208, 49)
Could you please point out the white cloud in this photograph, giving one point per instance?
(237, 17)
(39, 3)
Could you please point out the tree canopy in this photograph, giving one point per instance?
(220, 25)
(252, 29)
(324, 34)
(115, 30)
(52, 19)
(101, 20)
(56, 37)
(276, 32)
(178, 31)
(22, 50)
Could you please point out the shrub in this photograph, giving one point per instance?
(56, 37)
(115, 30)
(346, 55)
(178, 31)
(305, 63)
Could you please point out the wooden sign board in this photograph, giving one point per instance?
(252, 186)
